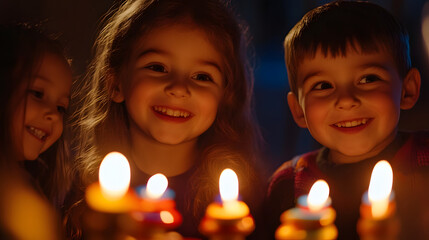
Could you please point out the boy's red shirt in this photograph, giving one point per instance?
(409, 158)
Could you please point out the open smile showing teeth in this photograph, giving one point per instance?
(37, 133)
(349, 124)
(171, 112)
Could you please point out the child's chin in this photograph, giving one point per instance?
(31, 157)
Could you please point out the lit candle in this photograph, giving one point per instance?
(230, 218)
(378, 220)
(312, 219)
(110, 200)
(157, 212)
(156, 196)
(112, 193)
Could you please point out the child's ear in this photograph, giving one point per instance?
(410, 89)
(296, 110)
(117, 94)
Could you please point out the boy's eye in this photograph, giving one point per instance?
(369, 79)
(61, 109)
(322, 86)
(203, 77)
(37, 94)
(157, 68)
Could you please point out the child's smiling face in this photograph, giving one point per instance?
(350, 104)
(173, 84)
(38, 121)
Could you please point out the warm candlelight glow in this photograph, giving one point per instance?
(156, 186)
(228, 185)
(166, 217)
(313, 218)
(318, 195)
(230, 207)
(114, 175)
(380, 188)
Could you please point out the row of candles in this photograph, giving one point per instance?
(314, 217)
(148, 212)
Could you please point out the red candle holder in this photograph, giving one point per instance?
(155, 217)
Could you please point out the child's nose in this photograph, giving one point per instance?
(51, 113)
(347, 100)
(178, 88)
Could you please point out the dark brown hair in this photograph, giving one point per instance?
(334, 25)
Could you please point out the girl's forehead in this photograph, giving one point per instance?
(171, 25)
(167, 30)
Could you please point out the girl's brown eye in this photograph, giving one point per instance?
(37, 94)
(157, 68)
(203, 77)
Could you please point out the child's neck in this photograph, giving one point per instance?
(152, 157)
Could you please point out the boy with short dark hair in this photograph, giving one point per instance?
(350, 75)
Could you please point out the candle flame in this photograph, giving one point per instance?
(228, 185)
(318, 195)
(166, 217)
(380, 188)
(114, 175)
(156, 186)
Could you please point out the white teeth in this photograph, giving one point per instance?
(353, 123)
(171, 112)
(37, 132)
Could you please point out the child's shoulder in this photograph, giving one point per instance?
(419, 142)
(286, 172)
(422, 137)
(414, 152)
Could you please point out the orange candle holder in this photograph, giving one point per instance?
(227, 218)
(303, 223)
(370, 227)
(96, 200)
(227, 221)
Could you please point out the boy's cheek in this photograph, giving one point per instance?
(316, 111)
